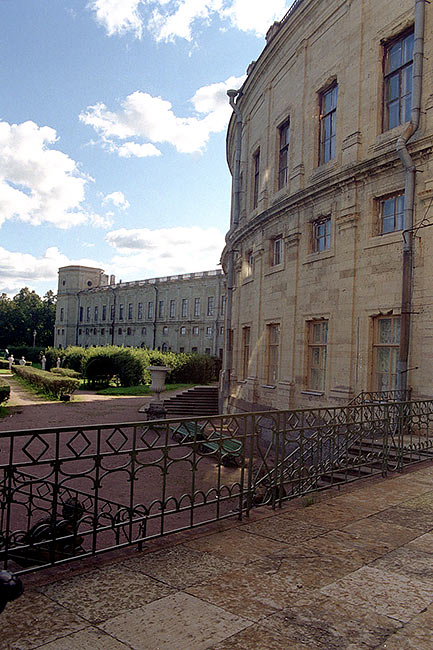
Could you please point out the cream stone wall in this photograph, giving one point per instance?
(82, 289)
(358, 278)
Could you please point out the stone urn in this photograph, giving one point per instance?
(156, 410)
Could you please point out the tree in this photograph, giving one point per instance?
(25, 313)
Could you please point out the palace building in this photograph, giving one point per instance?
(182, 313)
(329, 256)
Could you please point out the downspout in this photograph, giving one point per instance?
(409, 196)
(227, 360)
(155, 316)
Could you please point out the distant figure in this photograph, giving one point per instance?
(43, 361)
(6, 353)
(22, 361)
(58, 362)
(11, 360)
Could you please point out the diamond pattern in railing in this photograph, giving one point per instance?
(35, 448)
(117, 440)
(78, 444)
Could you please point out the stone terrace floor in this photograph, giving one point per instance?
(354, 570)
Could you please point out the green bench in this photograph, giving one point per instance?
(229, 448)
(188, 432)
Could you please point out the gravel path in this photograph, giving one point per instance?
(29, 411)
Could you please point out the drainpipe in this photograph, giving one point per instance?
(227, 359)
(409, 195)
(155, 316)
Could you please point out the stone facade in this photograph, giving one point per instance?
(317, 245)
(182, 313)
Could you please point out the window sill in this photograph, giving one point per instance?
(387, 238)
(323, 169)
(313, 393)
(315, 257)
(270, 386)
(275, 269)
(248, 279)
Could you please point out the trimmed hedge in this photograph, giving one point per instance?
(47, 382)
(66, 372)
(5, 391)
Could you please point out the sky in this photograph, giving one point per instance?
(113, 117)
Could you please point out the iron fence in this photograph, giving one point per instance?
(79, 491)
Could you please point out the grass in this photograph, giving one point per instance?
(4, 371)
(142, 389)
(4, 411)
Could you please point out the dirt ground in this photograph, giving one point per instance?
(29, 411)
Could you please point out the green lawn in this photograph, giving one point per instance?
(4, 371)
(139, 390)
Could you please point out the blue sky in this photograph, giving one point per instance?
(112, 133)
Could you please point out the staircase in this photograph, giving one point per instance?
(195, 402)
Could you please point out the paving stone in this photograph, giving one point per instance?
(416, 635)
(285, 529)
(90, 637)
(305, 567)
(325, 623)
(257, 637)
(408, 517)
(422, 543)
(344, 546)
(382, 533)
(177, 622)
(33, 620)
(383, 592)
(179, 566)
(334, 515)
(236, 545)
(248, 592)
(423, 502)
(102, 593)
(408, 562)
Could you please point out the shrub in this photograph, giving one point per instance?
(47, 382)
(74, 357)
(5, 391)
(66, 372)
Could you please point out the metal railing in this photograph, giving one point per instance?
(74, 492)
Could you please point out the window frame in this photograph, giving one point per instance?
(272, 353)
(318, 236)
(210, 305)
(196, 306)
(392, 346)
(396, 72)
(381, 216)
(317, 348)
(328, 145)
(246, 348)
(277, 250)
(184, 312)
(283, 154)
(256, 178)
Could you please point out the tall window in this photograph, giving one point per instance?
(398, 81)
(150, 309)
(183, 331)
(120, 312)
(172, 308)
(140, 311)
(322, 234)
(276, 251)
(81, 314)
(62, 314)
(184, 307)
(104, 312)
(273, 338)
(208, 331)
(328, 124)
(196, 306)
(112, 312)
(96, 314)
(130, 311)
(210, 305)
(386, 344)
(391, 214)
(256, 178)
(88, 314)
(223, 305)
(195, 330)
(160, 309)
(317, 353)
(283, 160)
(246, 334)
(249, 264)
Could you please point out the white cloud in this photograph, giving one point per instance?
(153, 119)
(118, 16)
(142, 252)
(170, 19)
(22, 269)
(38, 183)
(118, 199)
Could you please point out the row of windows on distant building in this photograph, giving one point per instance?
(397, 103)
(390, 218)
(87, 313)
(384, 352)
(129, 331)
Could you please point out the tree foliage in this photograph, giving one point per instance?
(25, 313)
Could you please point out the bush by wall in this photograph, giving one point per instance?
(47, 382)
(29, 353)
(5, 391)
